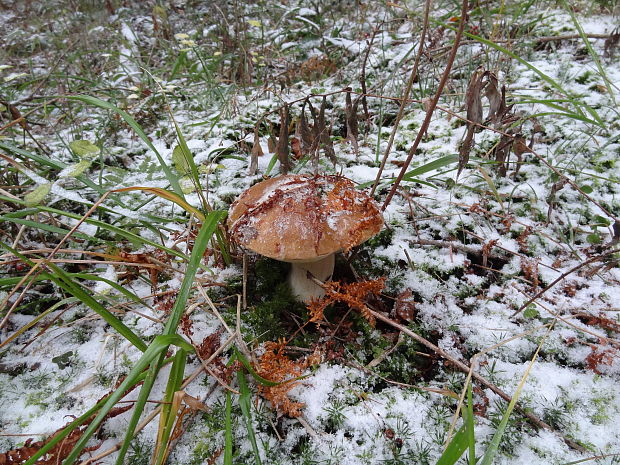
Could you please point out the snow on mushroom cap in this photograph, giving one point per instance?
(301, 217)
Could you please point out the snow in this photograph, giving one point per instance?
(464, 301)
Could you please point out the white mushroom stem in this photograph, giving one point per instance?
(305, 289)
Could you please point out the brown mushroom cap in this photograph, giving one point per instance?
(303, 218)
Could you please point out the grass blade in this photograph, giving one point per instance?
(159, 346)
(60, 436)
(245, 404)
(87, 99)
(38, 318)
(60, 278)
(548, 79)
(168, 414)
(456, 447)
(228, 443)
(200, 245)
(491, 451)
(166, 194)
(591, 51)
(468, 416)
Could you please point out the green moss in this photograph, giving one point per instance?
(270, 299)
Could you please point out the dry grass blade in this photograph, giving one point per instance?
(405, 97)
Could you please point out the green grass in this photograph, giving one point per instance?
(132, 121)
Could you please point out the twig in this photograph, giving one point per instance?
(562, 276)
(539, 40)
(466, 369)
(363, 74)
(431, 108)
(556, 315)
(405, 97)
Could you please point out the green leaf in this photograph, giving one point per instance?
(456, 447)
(594, 238)
(228, 442)
(172, 179)
(248, 366)
(587, 189)
(180, 158)
(601, 221)
(468, 417)
(84, 149)
(36, 196)
(431, 166)
(64, 360)
(530, 312)
(77, 169)
(271, 164)
(245, 404)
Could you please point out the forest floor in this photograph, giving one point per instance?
(481, 325)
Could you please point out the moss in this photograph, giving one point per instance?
(270, 300)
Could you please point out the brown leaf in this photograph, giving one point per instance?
(272, 142)
(351, 122)
(194, 403)
(296, 148)
(494, 97)
(282, 149)
(256, 152)
(473, 99)
(305, 133)
(466, 147)
(502, 153)
(17, 116)
(519, 146)
(405, 306)
(611, 43)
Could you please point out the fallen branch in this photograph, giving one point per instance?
(466, 369)
(562, 276)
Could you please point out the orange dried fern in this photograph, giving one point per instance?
(275, 366)
(352, 294)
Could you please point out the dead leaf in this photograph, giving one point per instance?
(256, 152)
(272, 142)
(405, 306)
(351, 122)
(296, 148)
(611, 43)
(282, 149)
(494, 97)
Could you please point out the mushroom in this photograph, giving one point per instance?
(304, 220)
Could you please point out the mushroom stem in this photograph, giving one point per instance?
(305, 289)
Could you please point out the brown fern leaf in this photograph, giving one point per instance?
(352, 294)
(275, 366)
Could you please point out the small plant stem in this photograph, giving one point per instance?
(432, 105)
(404, 98)
(466, 369)
(562, 276)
